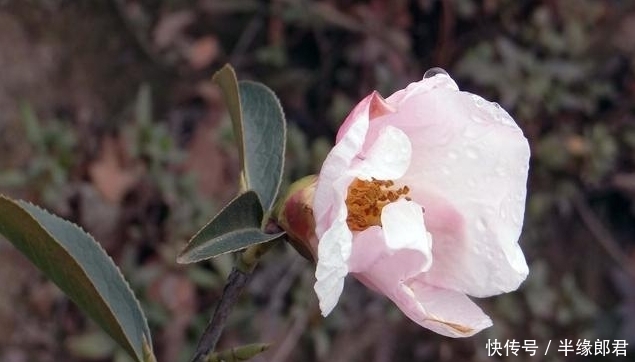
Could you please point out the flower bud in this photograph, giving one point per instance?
(294, 214)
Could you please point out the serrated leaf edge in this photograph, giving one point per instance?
(20, 204)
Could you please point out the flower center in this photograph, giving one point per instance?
(365, 200)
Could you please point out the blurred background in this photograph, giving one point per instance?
(108, 117)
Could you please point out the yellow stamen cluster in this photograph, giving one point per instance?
(365, 200)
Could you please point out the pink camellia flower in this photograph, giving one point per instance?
(422, 199)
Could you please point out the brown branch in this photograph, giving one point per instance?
(236, 282)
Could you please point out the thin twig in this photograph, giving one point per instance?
(294, 333)
(602, 235)
(140, 39)
(235, 283)
(244, 41)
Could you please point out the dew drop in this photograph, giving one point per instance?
(480, 225)
(508, 120)
(501, 171)
(472, 153)
(477, 119)
(501, 115)
(434, 71)
(478, 101)
(470, 132)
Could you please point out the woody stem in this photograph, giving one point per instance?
(236, 282)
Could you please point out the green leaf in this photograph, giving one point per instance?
(264, 138)
(226, 79)
(80, 267)
(235, 227)
(95, 345)
(260, 130)
(242, 353)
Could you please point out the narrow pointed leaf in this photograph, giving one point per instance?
(81, 268)
(235, 227)
(143, 106)
(260, 130)
(237, 354)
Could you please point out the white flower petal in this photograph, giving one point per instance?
(403, 225)
(388, 269)
(334, 249)
(469, 171)
(373, 262)
(443, 311)
(388, 157)
(440, 80)
(368, 247)
(339, 160)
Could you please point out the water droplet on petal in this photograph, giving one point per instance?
(507, 119)
(501, 171)
(500, 115)
(434, 71)
(478, 101)
(480, 225)
(519, 197)
(470, 132)
(477, 119)
(471, 152)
